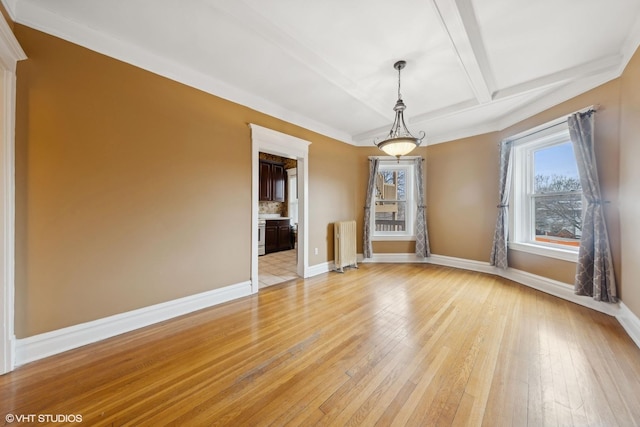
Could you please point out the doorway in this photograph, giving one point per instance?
(277, 219)
(280, 144)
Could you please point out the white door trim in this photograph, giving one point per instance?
(10, 54)
(271, 141)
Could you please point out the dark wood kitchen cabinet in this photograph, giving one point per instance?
(272, 181)
(277, 235)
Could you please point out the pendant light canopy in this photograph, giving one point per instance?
(400, 141)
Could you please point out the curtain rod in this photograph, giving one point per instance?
(589, 110)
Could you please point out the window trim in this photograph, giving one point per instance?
(410, 233)
(521, 197)
(544, 250)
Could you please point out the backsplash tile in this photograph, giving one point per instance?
(272, 208)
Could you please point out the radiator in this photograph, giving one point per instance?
(344, 241)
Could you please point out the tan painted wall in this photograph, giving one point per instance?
(462, 193)
(630, 184)
(132, 189)
(332, 180)
(556, 269)
(394, 247)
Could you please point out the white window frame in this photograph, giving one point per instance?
(410, 214)
(522, 215)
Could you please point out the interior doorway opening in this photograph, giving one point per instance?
(277, 220)
(289, 147)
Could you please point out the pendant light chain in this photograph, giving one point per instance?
(399, 94)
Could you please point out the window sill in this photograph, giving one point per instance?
(546, 251)
(392, 238)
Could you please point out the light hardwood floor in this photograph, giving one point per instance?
(405, 345)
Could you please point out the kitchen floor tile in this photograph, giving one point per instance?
(277, 267)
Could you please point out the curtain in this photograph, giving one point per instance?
(422, 236)
(373, 171)
(501, 234)
(594, 272)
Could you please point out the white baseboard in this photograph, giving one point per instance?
(390, 258)
(465, 264)
(447, 261)
(324, 267)
(629, 321)
(558, 289)
(49, 343)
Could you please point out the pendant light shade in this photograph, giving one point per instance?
(399, 141)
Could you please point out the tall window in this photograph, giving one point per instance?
(394, 212)
(547, 196)
(292, 177)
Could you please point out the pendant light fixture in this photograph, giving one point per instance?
(400, 141)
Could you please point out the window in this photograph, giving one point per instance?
(394, 213)
(547, 195)
(292, 175)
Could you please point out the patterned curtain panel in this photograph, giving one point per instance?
(373, 171)
(594, 272)
(501, 234)
(422, 236)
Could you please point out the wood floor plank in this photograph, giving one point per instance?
(385, 344)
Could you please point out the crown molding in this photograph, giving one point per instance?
(10, 50)
(630, 46)
(46, 21)
(10, 6)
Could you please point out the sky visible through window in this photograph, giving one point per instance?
(556, 160)
(558, 198)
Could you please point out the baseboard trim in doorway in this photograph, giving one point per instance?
(49, 343)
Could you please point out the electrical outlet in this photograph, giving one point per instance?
(315, 251)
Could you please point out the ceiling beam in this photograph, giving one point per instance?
(606, 64)
(444, 112)
(459, 21)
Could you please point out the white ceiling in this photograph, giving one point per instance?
(473, 66)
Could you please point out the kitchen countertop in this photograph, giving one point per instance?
(272, 216)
